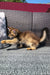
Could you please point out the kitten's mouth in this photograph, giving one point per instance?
(10, 38)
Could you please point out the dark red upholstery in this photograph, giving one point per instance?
(24, 6)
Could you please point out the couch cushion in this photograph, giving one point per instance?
(3, 34)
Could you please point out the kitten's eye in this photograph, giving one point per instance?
(14, 31)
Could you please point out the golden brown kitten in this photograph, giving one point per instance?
(28, 38)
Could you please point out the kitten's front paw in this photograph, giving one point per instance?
(3, 41)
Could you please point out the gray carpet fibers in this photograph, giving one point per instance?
(25, 62)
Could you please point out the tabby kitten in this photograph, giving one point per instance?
(27, 37)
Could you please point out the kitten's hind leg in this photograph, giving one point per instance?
(31, 48)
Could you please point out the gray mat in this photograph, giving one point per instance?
(23, 62)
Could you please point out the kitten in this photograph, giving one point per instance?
(27, 37)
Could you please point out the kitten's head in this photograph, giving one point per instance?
(12, 32)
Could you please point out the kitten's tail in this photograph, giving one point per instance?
(44, 34)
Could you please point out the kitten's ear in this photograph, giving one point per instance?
(18, 31)
(9, 29)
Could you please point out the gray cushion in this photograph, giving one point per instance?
(3, 34)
